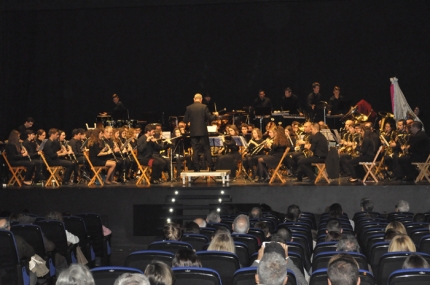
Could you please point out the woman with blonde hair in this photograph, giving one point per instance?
(397, 226)
(222, 241)
(401, 243)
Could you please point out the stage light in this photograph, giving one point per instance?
(171, 210)
(168, 220)
(173, 200)
(222, 191)
(220, 200)
(218, 210)
(176, 192)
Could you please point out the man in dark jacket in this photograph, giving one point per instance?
(198, 115)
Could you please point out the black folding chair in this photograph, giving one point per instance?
(169, 245)
(13, 270)
(76, 225)
(198, 241)
(140, 259)
(225, 263)
(413, 276)
(108, 274)
(196, 276)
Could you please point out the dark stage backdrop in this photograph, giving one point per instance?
(61, 64)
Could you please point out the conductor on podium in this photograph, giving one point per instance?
(197, 115)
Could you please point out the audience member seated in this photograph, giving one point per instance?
(396, 226)
(401, 243)
(293, 212)
(222, 241)
(333, 230)
(264, 228)
(191, 227)
(415, 261)
(390, 234)
(132, 279)
(348, 243)
(159, 273)
(172, 231)
(201, 222)
(280, 249)
(272, 270)
(402, 206)
(343, 270)
(76, 274)
(366, 205)
(335, 210)
(57, 216)
(186, 258)
(284, 234)
(240, 224)
(213, 218)
(419, 218)
(256, 213)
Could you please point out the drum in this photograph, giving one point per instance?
(101, 120)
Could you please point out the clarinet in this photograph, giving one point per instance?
(127, 142)
(66, 143)
(25, 150)
(108, 147)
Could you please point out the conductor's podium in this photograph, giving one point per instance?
(224, 174)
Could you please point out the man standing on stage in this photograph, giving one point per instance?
(290, 102)
(335, 103)
(198, 116)
(119, 112)
(314, 98)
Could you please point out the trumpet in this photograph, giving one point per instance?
(260, 146)
(107, 146)
(24, 150)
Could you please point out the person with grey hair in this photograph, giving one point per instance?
(272, 270)
(132, 279)
(213, 217)
(402, 206)
(201, 222)
(343, 270)
(76, 274)
(348, 243)
(198, 116)
(240, 224)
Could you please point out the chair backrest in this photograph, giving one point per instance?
(208, 232)
(392, 261)
(425, 244)
(12, 270)
(414, 276)
(197, 241)
(55, 232)
(321, 260)
(76, 225)
(32, 234)
(268, 222)
(325, 247)
(93, 223)
(196, 276)
(225, 263)
(258, 233)
(319, 277)
(169, 245)
(108, 274)
(140, 259)
(242, 253)
(250, 241)
(245, 276)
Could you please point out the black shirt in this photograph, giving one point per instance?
(336, 105)
(119, 112)
(319, 145)
(290, 104)
(262, 103)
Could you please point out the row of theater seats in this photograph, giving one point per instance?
(87, 226)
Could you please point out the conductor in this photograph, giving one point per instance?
(198, 116)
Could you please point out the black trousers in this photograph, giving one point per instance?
(351, 163)
(158, 165)
(305, 166)
(31, 167)
(201, 144)
(70, 167)
(405, 163)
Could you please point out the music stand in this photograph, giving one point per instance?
(261, 113)
(240, 141)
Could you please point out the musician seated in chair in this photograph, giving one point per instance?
(252, 151)
(276, 145)
(100, 155)
(367, 151)
(315, 152)
(230, 156)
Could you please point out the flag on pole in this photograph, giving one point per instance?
(399, 105)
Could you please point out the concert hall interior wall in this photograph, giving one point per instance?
(61, 62)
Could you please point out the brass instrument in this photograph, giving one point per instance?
(392, 138)
(63, 147)
(24, 150)
(356, 140)
(307, 152)
(261, 145)
(107, 146)
(385, 116)
(66, 144)
(403, 143)
(388, 149)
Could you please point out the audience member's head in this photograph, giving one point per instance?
(256, 213)
(186, 258)
(262, 226)
(335, 210)
(159, 273)
(272, 270)
(419, 218)
(241, 224)
(213, 217)
(201, 222)
(222, 241)
(132, 279)
(366, 205)
(415, 261)
(191, 227)
(348, 243)
(402, 206)
(54, 216)
(285, 234)
(401, 243)
(76, 274)
(390, 234)
(343, 270)
(4, 224)
(172, 231)
(333, 230)
(294, 210)
(397, 226)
